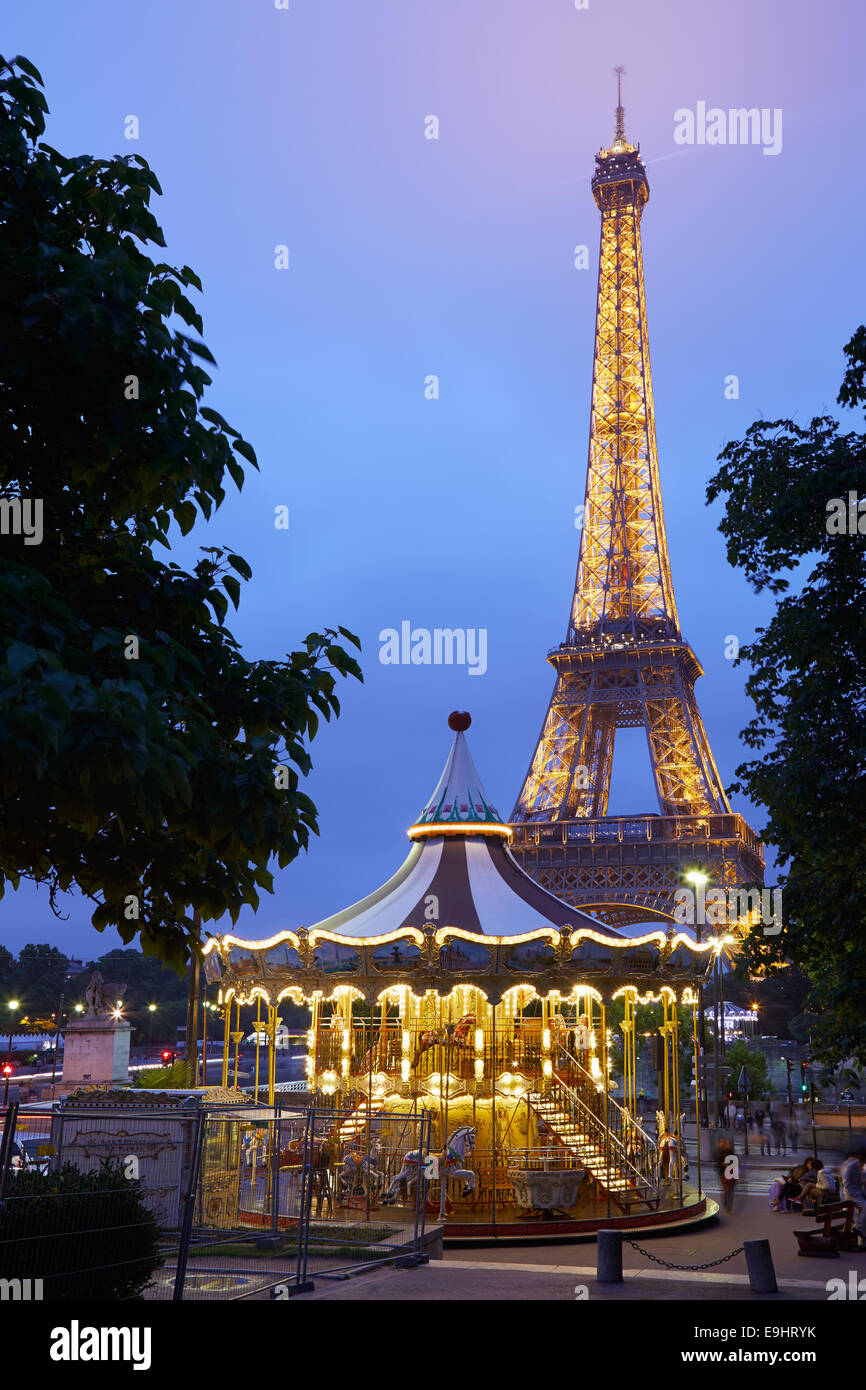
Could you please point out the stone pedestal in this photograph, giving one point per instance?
(96, 1051)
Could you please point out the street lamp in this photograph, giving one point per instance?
(151, 1009)
(13, 1004)
(700, 881)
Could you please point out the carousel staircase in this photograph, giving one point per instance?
(572, 1124)
(354, 1126)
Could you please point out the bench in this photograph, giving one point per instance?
(828, 1239)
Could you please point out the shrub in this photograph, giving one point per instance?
(86, 1235)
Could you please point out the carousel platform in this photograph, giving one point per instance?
(517, 1229)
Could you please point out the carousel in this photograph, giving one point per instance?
(462, 990)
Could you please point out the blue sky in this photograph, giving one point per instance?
(453, 257)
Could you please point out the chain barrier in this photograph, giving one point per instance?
(666, 1265)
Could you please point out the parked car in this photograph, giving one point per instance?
(26, 1154)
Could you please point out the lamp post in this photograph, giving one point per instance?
(700, 881)
(13, 1004)
(151, 1010)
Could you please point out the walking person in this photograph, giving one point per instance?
(851, 1190)
(763, 1136)
(779, 1129)
(726, 1163)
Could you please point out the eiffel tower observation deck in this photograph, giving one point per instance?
(624, 662)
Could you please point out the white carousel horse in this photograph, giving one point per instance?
(668, 1151)
(357, 1165)
(450, 1164)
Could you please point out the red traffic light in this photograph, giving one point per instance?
(8, 1068)
(167, 1056)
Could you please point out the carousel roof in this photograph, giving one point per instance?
(458, 798)
(459, 871)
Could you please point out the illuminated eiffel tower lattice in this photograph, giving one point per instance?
(624, 662)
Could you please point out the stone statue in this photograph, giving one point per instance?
(95, 995)
(100, 996)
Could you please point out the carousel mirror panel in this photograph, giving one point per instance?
(334, 959)
(459, 955)
(396, 955)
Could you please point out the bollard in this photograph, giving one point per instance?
(609, 1269)
(759, 1262)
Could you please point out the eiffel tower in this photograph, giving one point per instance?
(624, 662)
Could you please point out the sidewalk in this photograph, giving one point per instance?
(539, 1273)
(475, 1280)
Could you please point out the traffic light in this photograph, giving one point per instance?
(168, 1056)
(804, 1085)
(8, 1069)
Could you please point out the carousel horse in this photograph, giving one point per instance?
(450, 1164)
(634, 1142)
(357, 1165)
(426, 1040)
(463, 1028)
(321, 1158)
(668, 1151)
(373, 1050)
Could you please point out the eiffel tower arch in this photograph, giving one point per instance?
(624, 662)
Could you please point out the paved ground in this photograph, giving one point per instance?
(540, 1273)
(468, 1281)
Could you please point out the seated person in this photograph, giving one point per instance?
(808, 1183)
(826, 1188)
(792, 1187)
(774, 1195)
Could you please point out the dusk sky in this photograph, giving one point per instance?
(454, 257)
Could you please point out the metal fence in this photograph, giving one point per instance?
(181, 1201)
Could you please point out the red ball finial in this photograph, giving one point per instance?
(459, 721)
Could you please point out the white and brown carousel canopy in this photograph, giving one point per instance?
(459, 904)
(459, 870)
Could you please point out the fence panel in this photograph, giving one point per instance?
(90, 1203)
(227, 1202)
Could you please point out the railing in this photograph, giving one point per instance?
(538, 829)
(635, 1155)
(614, 1163)
(524, 1054)
(624, 1122)
(542, 1159)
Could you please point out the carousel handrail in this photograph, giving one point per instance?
(627, 1117)
(649, 1179)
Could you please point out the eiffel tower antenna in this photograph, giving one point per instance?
(624, 662)
(619, 133)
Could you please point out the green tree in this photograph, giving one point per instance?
(808, 686)
(143, 760)
(738, 1055)
(7, 966)
(780, 997)
(37, 978)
